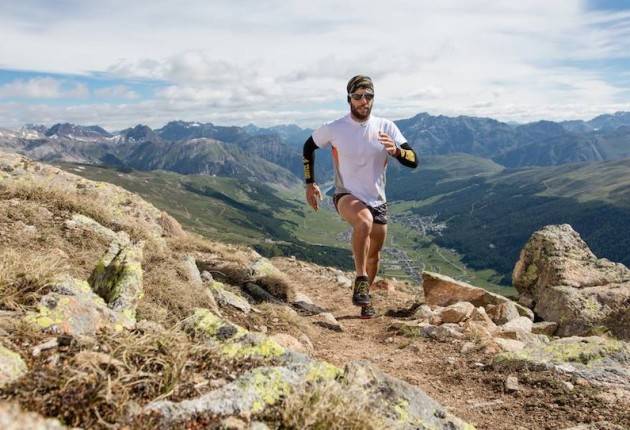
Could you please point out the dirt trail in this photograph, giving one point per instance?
(467, 384)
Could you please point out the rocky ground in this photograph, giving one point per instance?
(467, 382)
(112, 316)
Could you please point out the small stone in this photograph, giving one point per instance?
(520, 323)
(511, 384)
(509, 345)
(424, 312)
(435, 320)
(468, 347)
(502, 312)
(389, 340)
(233, 423)
(457, 312)
(344, 281)
(582, 382)
(568, 386)
(49, 344)
(451, 360)
(545, 327)
(206, 276)
(289, 342)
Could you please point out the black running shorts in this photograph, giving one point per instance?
(379, 213)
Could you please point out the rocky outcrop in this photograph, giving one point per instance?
(117, 279)
(599, 360)
(397, 404)
(566, 283)
(71, 307)
(441, 290)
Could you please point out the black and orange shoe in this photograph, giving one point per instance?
(367, 312)
(361, 291)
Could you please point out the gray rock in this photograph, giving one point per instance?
(191, 271)
(503, 312)
(441, 290)
(598, 360)
(12, 367)
(457, 312)
(545, 327)
(571, 286)
(327, 320)
(307, 309)
(73, 308)
(511, 384)
(402, 405)
(117, 278)
(520, 323)
(225, 297)
(442, 332)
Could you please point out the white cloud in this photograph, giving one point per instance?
(245, 59)
(116, 91)
(43, 88)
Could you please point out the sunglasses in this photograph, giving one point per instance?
(356, 96)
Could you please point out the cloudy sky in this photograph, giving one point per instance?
(117, 63)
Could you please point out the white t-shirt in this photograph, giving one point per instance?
(359, 159)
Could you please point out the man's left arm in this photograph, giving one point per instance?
(407, 156)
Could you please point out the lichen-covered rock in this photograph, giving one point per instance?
(251, 393)
(13, 418)
(557, 255)
(441, 290)
(234, 341)
(566, 283)
(597, 359)
(584, 311)
(117, 278)
(12, 367)
(80, 222)
(227, 298)
(401, 405)
(73, 308)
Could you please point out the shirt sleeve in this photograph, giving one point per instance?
(322, 136)
(395, 133)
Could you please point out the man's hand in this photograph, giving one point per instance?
(388, 143)
(313, 195)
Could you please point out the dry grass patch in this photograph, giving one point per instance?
(102, 383)
(168, 296)
(25, 275)
(328, 406)
(64, 198)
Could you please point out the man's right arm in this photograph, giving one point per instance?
(308, 154)
(313, 194)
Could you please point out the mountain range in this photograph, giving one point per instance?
(489, 180)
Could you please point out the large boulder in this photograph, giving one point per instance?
(566, 283)
(441, 290)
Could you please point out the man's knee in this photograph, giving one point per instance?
(363, 225)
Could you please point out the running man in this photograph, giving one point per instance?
(361, 145)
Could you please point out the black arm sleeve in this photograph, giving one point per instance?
(407, 156)
(309, 160)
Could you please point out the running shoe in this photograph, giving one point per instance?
(361, 292)
(367, 312)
